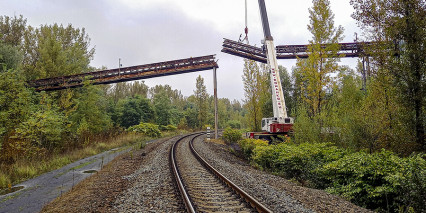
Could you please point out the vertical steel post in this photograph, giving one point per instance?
(215, 102)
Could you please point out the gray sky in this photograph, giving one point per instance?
(149, 31)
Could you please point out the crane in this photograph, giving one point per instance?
(280, 124)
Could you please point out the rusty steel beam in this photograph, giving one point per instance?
(127, 73)
(244, 50)
(354, 49)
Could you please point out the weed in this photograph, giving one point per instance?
(25, 171)
(4, 180)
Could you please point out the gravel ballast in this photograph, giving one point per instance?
(153, 188)
(277, 193)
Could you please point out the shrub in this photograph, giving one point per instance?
(234, 124)
(168, 128)
(231, 135)
(297, 161)
(249, 144)
(148, 129)
(380, 181)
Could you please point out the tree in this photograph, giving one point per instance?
(12, 30)
(287, 86)
(10, 57)
(322, 51)
(399, 26)
(139, 88)
(90, 115)
(45, 127)
(252, 88)
(162, 108)
(55, 50)
(15, 101)
(201, 96)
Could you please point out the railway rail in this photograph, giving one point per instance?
(203, 188)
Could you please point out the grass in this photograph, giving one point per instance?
(25, 169)
(4, 180)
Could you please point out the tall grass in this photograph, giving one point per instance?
(24, 169)
(4, 180)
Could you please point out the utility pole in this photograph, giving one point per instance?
(215, 103)
(119, 66)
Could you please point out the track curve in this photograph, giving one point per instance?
(203, 188)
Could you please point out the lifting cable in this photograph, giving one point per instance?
(246, 28)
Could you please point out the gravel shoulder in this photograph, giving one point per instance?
(278, 194)
(99, 192)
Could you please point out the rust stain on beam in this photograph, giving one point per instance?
(127, 73)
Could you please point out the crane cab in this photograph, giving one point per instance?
(272, 125)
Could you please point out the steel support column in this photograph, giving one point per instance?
(215, 103)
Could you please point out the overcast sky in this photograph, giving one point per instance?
(149, 31)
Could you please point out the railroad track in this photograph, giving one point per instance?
(203, 188)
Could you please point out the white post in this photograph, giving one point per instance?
(208, 133)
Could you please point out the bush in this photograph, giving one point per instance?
(380, 181)
(231, 135)
(234, 124)
(297, 161)
(249, 144)
(148, 129)
(168, 128)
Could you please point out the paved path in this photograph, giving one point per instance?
(46, 187)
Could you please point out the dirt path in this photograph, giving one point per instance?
(43, 189)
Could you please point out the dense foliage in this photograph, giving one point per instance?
(231, 135)
(380, 181)
(148, 129)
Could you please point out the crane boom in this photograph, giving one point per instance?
(280, 122)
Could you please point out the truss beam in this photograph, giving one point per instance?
(127, 73)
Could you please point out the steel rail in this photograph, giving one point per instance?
(251, 200)
(188, 204)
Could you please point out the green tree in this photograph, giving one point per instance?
(90, 115)
(201, 96)
(191, 112)
(55, 50)
(10, 58)
(322, 51)
(44, 127)
(12, 30)
(400, 26)
(287, 85)
(251, 79)
(162, 108)
(15, 101)
(135, 110)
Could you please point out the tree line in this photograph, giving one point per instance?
(35, 124)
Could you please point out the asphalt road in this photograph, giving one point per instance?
(41, 190)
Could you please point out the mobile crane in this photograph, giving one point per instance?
(280, 124)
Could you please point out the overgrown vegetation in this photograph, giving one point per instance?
(231, 135)
(23, 168)
(380, 181)
(44, 126)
